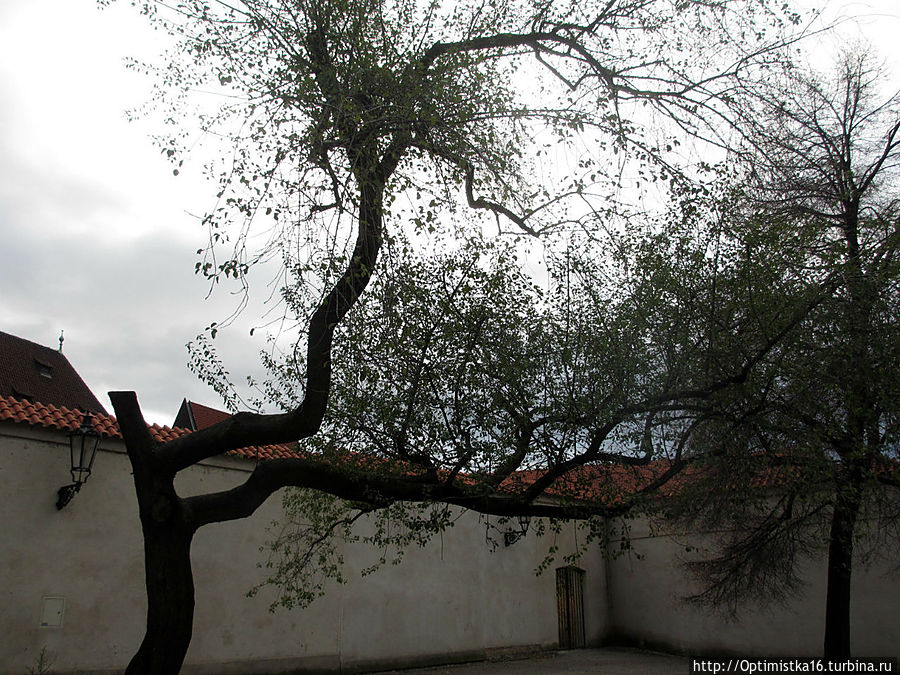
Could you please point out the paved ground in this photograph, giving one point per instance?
(574, 662)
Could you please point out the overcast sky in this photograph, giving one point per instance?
(96, 234)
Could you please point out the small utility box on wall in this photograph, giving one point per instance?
(53, 609)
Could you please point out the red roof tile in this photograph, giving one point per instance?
(608, 483)
(205, 416)
(66, 419)
(195, 416)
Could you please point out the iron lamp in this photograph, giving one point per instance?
(83, 444)
(512, 535)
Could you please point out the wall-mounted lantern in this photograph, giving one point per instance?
(83, 444)
(512, 535)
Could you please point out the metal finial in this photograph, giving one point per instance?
(61, 338)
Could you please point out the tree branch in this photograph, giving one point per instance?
(375, 488)
(246, 428)
(138, 442)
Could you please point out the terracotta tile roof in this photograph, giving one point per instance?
(65, 419)
(32, 372)
(195, 416)
(205, 416)
(608, 483)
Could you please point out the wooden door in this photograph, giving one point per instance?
(570, 607)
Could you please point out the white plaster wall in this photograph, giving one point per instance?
(647, 606)
(89, 553)
(453, 596)
(457, 596)
(458, 593)
(229, 627)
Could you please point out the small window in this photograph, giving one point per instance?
(44, 369)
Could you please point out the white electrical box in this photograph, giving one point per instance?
(53, 608)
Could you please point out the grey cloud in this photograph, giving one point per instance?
(127, 309)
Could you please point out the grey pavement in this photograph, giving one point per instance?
(617, 661)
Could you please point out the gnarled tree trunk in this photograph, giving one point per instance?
(168, 531)
(170, 598)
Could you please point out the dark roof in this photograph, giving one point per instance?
(32, 372)
(195, 416)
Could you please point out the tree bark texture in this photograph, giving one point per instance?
(840, 567)
(170, 601)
